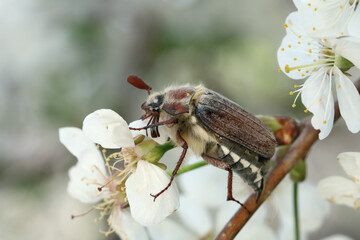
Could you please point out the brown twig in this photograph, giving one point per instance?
(298, 150)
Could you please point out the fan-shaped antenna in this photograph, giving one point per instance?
(138, 83)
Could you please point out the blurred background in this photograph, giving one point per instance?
(61, 60)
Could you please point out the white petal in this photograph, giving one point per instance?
(353, 27)
(337, 237)
(350, 162)
(170, 229)
(86, 176)
(297, 50)
(108, 128)
(339, 190)
(195, 217)
(193, 185)
(349, 101)
(75, 140)
(317, 98)
(349, 48)
(140, 123)
(287, 230)
(324, 19)
(125, 226)
(150, 179)
(314, 210)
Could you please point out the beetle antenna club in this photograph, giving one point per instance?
(138, 83)
(214, 127)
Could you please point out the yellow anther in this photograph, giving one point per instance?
(324, 122)
(341, 7)
(291, 93)
(96, 220)
(309, 4)
(104, 150)
(294, 105)
(325, 40)
(289, 46)
(187, 94)
(332, 92)
(122, 188)
(295, 59)
(97, 145)
(295, 86)
(299, 42)
(308, 44)
(83, 179)
(299, 36)
(315, 68)
(305, 111)
(314, 28)
(326, 50)
(282, 49)
(315, 9)
(339, 86)
(279, 70)
(287, 70)
(299, 69)
(303, 75)
(285, 25)
(314, 60)
(342, 33)
(125, 199)
(307, 71)
(310, 51)
(107, 127)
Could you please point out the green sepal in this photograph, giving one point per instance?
(271, 122)
(155, 154)
(298, 173)
(342, 63)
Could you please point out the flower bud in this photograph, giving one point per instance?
(298, 173)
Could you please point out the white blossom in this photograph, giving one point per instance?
(119, 179)
(301, 56)
(342, 190)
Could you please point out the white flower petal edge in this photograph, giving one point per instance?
(86, 176)
(108, 128)
(75, 140)
(125, 226)
(353, 27)
(349, 100)
(340, 190)
(297, 50)
(350, 162)
(316, 96)
(349, 48)
(150, 179)
(323, 19)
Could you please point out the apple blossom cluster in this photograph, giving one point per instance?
(117, 170)
(322, 43)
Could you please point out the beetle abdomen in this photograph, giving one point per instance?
(247, 164)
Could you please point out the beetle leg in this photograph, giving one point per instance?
(184, 145)
(229, 194)
(170, 121)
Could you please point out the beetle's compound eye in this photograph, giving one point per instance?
(156, 102)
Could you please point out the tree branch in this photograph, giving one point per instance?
(298, 150)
